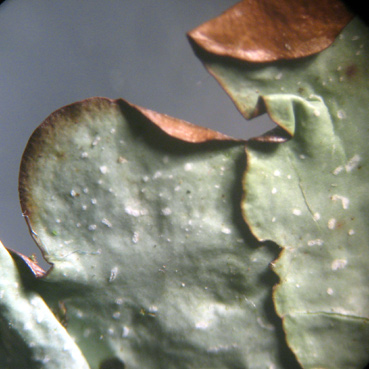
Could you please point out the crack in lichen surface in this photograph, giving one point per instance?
(300, 186)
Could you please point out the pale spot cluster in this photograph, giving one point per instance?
(338, 264)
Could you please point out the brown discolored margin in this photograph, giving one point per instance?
(181, 129)
(260, 31)
(36, 270)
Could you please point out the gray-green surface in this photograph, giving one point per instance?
(151, 257)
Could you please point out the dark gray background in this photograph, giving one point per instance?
(53, 53)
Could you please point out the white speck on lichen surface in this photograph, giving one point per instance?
(188, 167)
(96, 140)
(92, 227)
(135, 237)
(316, 216)
(153, 309)
(277, 173)
(125, 332)
(93, 201)
(106, 222)
(203, 324)
(329, 291)
(316, 242)
(84, 155)
(351, 232)
(103, 169)
(166, 211)
(274, 190)
(338, 170)
(157, 174)
(296, 212)
(135, 212)
(332, 223)
(116, 315)
(338, 264)
(226, 230)
(113, 274)
(352, 163)
(344, 200)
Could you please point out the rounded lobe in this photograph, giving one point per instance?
(269, 30)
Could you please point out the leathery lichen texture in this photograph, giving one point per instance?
(151, 258)
(155, 264)
(309, 194)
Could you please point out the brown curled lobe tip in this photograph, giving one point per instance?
(269, 30)
(181, 129)
(37, 271)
